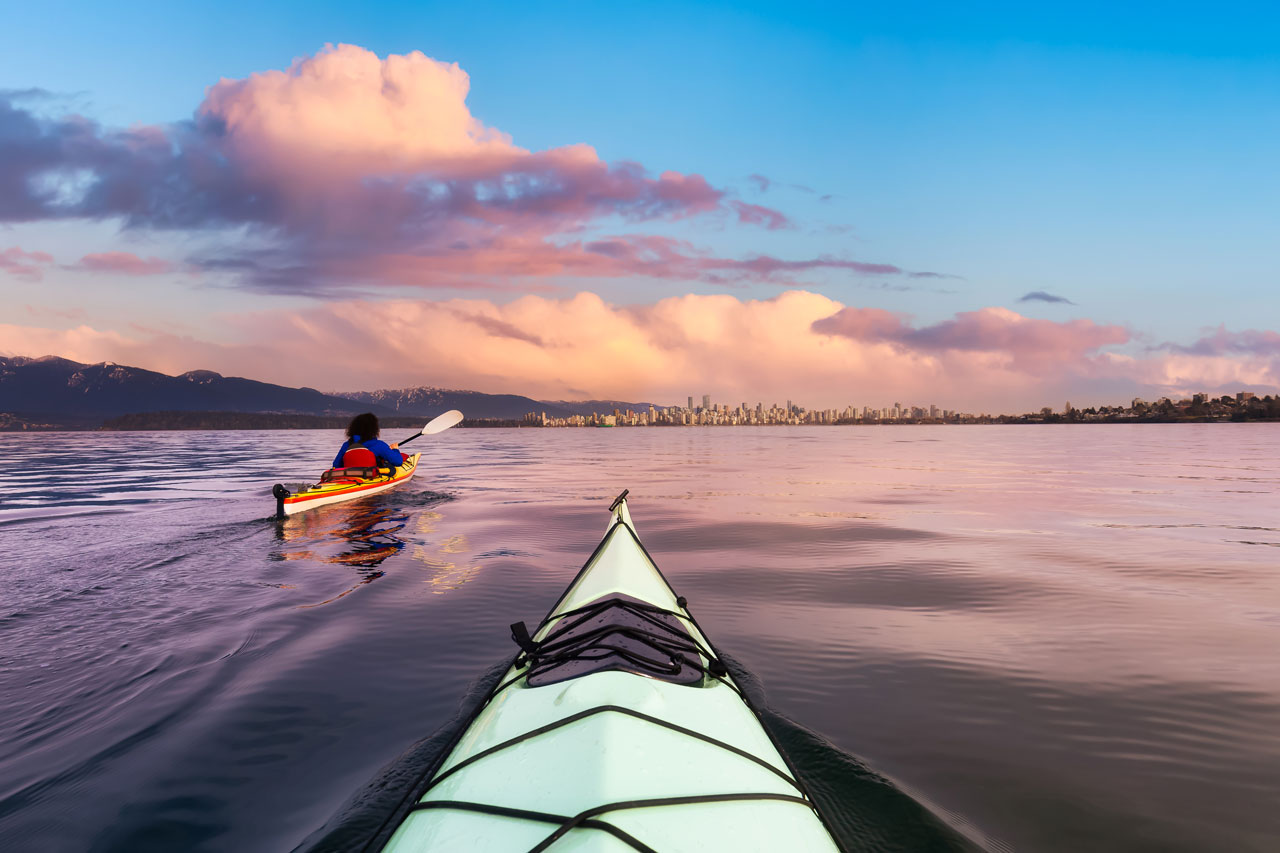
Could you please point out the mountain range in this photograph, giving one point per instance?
(425, 400)
(61, 390)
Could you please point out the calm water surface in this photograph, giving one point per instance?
(1056, 638)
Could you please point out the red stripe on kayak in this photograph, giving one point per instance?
(295, 499)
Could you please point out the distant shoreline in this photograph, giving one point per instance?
(204, 421)
(266, 421)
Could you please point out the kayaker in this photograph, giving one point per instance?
(362, 435)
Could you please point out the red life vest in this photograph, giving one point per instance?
(359, 456)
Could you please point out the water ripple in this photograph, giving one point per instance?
(1051, 638)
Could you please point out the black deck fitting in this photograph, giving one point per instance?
(280, 493)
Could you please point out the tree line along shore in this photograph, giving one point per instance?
(159, 421)
(1198, 410)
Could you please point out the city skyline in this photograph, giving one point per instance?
(1243, 405)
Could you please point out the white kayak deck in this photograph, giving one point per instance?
(610, 757)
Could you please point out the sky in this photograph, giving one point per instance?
(994, 208)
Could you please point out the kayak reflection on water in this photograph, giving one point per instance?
(449, 562)
(367, 529)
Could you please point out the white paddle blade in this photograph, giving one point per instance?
(450, 418)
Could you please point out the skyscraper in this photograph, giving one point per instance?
(706, 402)
(690, 402)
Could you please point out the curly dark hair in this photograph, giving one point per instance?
(365, 426)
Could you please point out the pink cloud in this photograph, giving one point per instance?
(126, 263)
(1025, 341)
(321, 147)
(509, 262)
(764, 265)
(799, 344)
(1220, 341)
(345, 113)
(23, 264)
(754, 214)
(862, 324)
(348, 169)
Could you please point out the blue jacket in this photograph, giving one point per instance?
(380, 449)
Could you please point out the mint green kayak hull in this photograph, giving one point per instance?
(614, 760)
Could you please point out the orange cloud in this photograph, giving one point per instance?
(735, 349)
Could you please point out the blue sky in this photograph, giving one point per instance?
(1121, 158)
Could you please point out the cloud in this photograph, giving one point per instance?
(754, 214)
(1026, 343)
(762, 184)
(23, 264)
(1041, 296)
(520, 263)
(321, 148)
(30, 93)
(498, 328)
(345, 114)
(799, 345)
(126, 263)
(346, 169)
(154, 350)
(45, 312)
(1221, 342)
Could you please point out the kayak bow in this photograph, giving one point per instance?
(616, 728)
(342, 484)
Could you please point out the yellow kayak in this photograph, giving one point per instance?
(342, 484)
